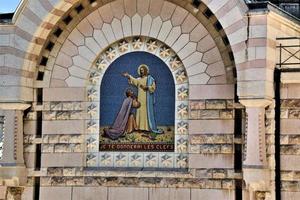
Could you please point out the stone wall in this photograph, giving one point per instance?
(290, 141)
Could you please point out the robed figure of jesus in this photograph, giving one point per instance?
(146, 85)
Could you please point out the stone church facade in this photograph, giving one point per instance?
(237, 100)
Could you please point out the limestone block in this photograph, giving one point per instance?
(212, 194)
(89, 193)
(64, 94)
(290, 126)
(54, 193)
(211, 126)
(63, 160)
(127, 193)
(100, 38)
(117, 28)
(156, 24)
(290, 91)
(211, 161)
(211, 92)
(155, 7)
(76, 37)
(136, 24)
(178, 16)
(126, 25)
(167, 10)
(189, 23)
(201, 78)
(285, 195)
(165, 30)
(169, 194)
(63, 127)
(106, 13)
(198, 33)
(27, 193)
(95, 20)
(290, 162)
(60, 72)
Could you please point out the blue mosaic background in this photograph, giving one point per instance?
(114, 85)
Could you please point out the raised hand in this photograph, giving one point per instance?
(125, 74)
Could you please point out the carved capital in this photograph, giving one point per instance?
(256, 103)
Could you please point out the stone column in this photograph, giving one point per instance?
(13, 169)
(255, 168)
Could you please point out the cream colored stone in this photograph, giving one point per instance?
(155, 7)
(238, 36)
(178, 16)
(142, 7)
(76, 37)
(54, 193)
(169, 193)
(231, 17)
(81, 62)
(64, 127)
(192, 59)
(211, 194)
(173, 35)
(258, 31)
(206, 44)
(187, 50)
(146, 25)
(255, 89)
(60, 72)
(63, 60)
(78, 72)
(108, 32)
(130, 7)
(69, 48)
(85, 28)
(117, 193)
(155, 28)
(196, 69)
(117, 8)
(126, 24)
(64, 94)
(202, 78)
(216, 69)
(212, 56)
(198, 33)
(91, 43)
(164, 31)
(100, 38)
(181, 42)
(106, 13)
(189, 23)
(91, 193)
(216, 161)
(63, 160)
(86, 53)
(167, 10)
(211, 126)
(95, 19)
(136, 24)
(117, 28)
(75, 82)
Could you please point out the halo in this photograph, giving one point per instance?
(143, 65)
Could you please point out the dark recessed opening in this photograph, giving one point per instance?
(39, 96)
(238, 189)
(208, 13)
(237, 157)
(79, 8)
(40, 76)
(225, 40)
(92, 1)
(196, 3)
(218, 26)
(39, 121)
(231, 56)
(44, 61)
(58, 32)
(238, 120)
(38, 157)
(67, 19)
(50, 46)
(36, 188)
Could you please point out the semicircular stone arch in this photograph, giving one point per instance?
(72, 64)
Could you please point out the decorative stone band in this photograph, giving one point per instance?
(176, 159)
